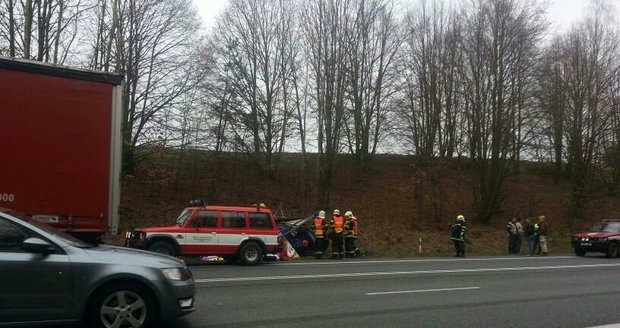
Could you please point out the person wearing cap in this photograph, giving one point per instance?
(337, 230)
(350, 234)
(319, 228)
(458, 230)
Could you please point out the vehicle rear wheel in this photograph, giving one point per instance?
(250, 253)
(162, 247)
(122, 305)
(612, 251)
(580, 252)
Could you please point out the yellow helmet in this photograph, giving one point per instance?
(460, 218)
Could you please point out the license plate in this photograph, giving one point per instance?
(586, 244)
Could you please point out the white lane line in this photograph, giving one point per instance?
(481, 259)
(613, 325)
(394, 273)
(421, 291)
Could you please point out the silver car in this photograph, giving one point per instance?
(47, 276)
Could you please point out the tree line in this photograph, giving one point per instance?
(488, 80)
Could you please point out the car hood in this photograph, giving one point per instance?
(130, 256)
(599, 234)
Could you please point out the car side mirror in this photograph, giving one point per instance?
(37, 245)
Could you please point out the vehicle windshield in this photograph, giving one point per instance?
(606, 227)
(183, 217)
(64, 237)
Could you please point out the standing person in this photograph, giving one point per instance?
(511, 229)
(518, 237)
(350, 234)
(337, 230)
(458, 230)
(542, 234)
(530, 236)
(319, 228)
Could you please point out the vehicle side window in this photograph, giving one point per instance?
(234, 220)
(205, 219)
(259, 221)
(12, 236)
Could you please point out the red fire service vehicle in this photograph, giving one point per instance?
(243, 233)
(60, 145)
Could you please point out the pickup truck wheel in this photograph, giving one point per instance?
(612, 251)
(122, 305)
(580, 252)
(250, 253)
(162, 247)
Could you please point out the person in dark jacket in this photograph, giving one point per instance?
(458, 231)
(530, 235)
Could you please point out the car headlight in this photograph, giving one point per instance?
(176, 273)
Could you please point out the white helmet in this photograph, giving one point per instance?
(460, 218)
(336, 212)
(322, 214)
(348, 214)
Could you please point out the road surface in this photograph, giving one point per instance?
(512, 291)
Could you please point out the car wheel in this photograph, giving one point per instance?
(580, 252)
(122, 305)
(250, 253)
(612, 251)
(162, 247)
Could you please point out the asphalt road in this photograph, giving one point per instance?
(554, 291)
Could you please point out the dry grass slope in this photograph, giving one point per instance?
(398, 201)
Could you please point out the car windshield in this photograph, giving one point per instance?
(183, 217)
(606, 227)
(64, 237)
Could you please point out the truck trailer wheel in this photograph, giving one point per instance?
(162, 247)
(250, 253)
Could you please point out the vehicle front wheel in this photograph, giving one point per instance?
(580, 252)
(122, 305)
(250, 253)
(162, 247)
(612, 251)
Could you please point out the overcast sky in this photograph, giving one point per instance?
(561, 12)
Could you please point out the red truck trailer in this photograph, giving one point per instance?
(60, 145)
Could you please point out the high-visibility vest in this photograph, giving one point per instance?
(338, 224)
(318, 227)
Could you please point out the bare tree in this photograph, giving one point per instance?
(253, 40)
(51, 24)
(500, 39)
(372, 44)
(325, 24)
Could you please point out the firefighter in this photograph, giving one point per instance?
(350, 234)
(319, 228)
(337, 230)
(458, 230)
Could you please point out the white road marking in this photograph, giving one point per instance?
(473, 259)
(421, 291)
(394, 273)
(613, 325)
